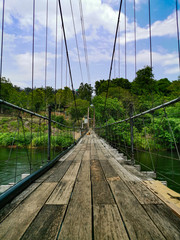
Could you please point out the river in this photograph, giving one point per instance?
(15, 163)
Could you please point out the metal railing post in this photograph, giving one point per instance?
(49, 133)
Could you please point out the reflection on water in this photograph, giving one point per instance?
(14, 162)
(19, 161)
(165, 164)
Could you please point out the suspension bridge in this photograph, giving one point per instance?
(85, 179)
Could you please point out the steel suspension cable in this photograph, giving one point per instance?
(67, 54)
(112, 59)
(119, 51)
(66, 71)
(77, 46)
(177, 23)
(2, 41)
(84, 40)
(33, 50)
(115, 67)
(135, 46)
(150, 35)
(56, 48)
(62, 51)
(46, 45)
(125, 38)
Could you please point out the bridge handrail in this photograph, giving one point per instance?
(32, 113)
(143, 113)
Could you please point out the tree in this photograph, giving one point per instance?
(162, 86)
(82, 108)
(38, 99)
(144, 82)
(121, 82)
(85, 91)
(7, 90)
(101, 86)
(113, 106)
(174, 89)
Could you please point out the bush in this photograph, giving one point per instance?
(7, 139)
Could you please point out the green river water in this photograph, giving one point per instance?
(12, 167)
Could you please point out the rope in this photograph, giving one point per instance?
(177, 23)
(84, 40)
(67, 53)
(2, 41)
(77, 46)
(112, 59)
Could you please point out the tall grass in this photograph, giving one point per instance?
(62, 140)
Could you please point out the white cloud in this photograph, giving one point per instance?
(100, 22)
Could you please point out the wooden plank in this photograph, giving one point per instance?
(14, 226)
(101, 193)
(168, 196)
(5, 211)
(138, 223)
(84, 171)
(142, 193)
(108, 223)
(47, 174)
(71, 173)
(122, 172)
(62, 192)
(59, 172)
(165, 220)
(77, 222)
(46, 224)
(100, 189)
(96, 171)
(109, 171)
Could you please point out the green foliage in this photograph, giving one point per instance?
(162, 86)
(174, 89)
(15, 139)
(59, 119)
(164, 131)
(61, 141)
(82, 107)
(144, 82)
(85, 91)
(115, 109)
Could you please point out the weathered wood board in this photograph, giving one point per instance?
(47, 223)
(88, 194)
(15, 225)
(77, 223)
(138, 223)
(108, 223)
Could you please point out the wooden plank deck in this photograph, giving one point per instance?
(88, 195)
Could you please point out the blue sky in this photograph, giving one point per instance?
(100, 23)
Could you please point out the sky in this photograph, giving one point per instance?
(100, 20)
